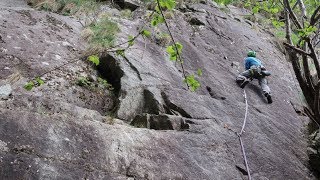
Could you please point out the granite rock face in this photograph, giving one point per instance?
(162, 131)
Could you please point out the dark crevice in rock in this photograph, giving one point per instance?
(140, 121)
(192, 9)
(127, 4)
(242, 170)
(172, 108)
(190, 122)
(151, 105)
(23, 149)
(196, 22)
(133, 68)
(214, 95)
(1, 40)
(110, 70)
(298, 108)
(160, 122)
(185, 125)
(168, 110)
(257, 109)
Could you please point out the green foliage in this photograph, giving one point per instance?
(281, 34)
(83, 81)
(102, 83)
(174, 51)
(277, 24)
(157, 19)
(29, 85)
(39, 81)
(120, 52)
(192, 82)
(199, 72)
(94, 59)
(255, 9)
(65, 7)
(33, 83)
(269, 8)
(224, 2)
(103, 33)
(131, 40)
(307, 31)
(146, 33)
(167, 4)
(295, 38)
(99, 84)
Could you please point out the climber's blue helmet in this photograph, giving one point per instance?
(251, 54)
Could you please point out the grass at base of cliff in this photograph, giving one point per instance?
(100, 35)
(65, 7)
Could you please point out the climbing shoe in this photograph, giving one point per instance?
(244, 83)
(268, 96)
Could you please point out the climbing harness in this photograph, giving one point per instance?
(255, 71)
(258, 71)
(241, 132)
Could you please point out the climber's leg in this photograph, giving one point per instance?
(265, 89)
(243, 79)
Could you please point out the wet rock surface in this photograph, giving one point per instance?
(60, 131)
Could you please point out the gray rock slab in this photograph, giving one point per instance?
(5, 91)
(59, 130)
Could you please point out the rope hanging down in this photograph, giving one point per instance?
(239, 135)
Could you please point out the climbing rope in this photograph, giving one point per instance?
(241, 132)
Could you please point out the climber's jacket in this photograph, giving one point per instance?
(250, 61)
(255, 67)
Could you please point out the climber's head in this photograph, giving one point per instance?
(251, 54)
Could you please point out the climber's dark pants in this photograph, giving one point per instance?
(246, 76)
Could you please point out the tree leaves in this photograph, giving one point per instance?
(157, 19)
(307, 31)
(120, 52)
(29, 85)
(192, 82)
(33, 83)
(255, 9)
(277, 24)
(145, 33)
(223, 2)
(174, 51)
(39, 81)
(168, 4)
(94, 59)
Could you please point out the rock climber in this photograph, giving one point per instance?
(255, 70)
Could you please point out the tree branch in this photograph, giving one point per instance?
(315, 17)
(174, 43)
(298, 50)
(292, 14)
(295, 5)
(316, 100)
(295, 64)
(313, 55)
(288, 29)
(303, 8)
(306, 70)
(292, 53)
